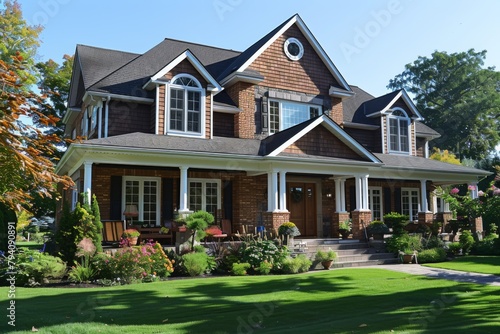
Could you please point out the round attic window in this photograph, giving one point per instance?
(293, 49)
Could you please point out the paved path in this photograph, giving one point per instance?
(459, 276)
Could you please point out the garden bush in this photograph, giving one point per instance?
(431, 255)
(299, 264)
(265, 268)
(455, 248)
(488, 246)
(195, 264)
(466, 241)
(33, 268)
(401, 242)
(240, 269)
(257, 251)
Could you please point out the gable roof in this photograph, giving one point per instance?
(241, 63)
(275, 144)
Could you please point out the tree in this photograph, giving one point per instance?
(444, 156)
(24, 149)
(459, 98)
(18, 39)
(54, 82)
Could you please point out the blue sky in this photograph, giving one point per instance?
(368, 41)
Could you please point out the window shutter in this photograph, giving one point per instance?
(228, 200)
(167, 203)
(397, 200)
(115, 196)
(387, 200)
(264, 115)
(352, 198)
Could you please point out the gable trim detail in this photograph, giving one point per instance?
(336, 129)
(406, 99)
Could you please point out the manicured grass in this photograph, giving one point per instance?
(335, 301)
(476, 264)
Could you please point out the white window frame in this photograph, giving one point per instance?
(410, 213)
(370, 201)
(140, 206)
(199, 89)
(280, 111)
(93, 117)
(84, 123)
(398, 119)
(204, 198)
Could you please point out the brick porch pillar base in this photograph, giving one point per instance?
(357, 228)
(272, 220)
(338, 217)
(445, 218)
(477, 225)
(425, 218)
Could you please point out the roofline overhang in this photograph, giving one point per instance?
(235, 77)
(387, 109)
(118, 97)
(70, 113)
(335, 92)
(427, 136)
(226, 109)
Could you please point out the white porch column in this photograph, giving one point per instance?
(282, 196)
(272, 191)
(423, 196)
(364, 182)
(359, 190)
(87, 180)
(183, 190)
(340, 195)
(474, 193)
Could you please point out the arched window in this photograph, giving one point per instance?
(186, 104)
(398, 131)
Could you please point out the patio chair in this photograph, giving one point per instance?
(112, 232)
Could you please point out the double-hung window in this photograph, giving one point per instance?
(409, 202)
(398, 132)
(186, 98)
(204, 194)
(144, 193)
(375, 202)
(285, 114)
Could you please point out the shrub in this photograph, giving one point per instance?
(377, 227)
(265, 268)
(466, 241)
(240, 269)
(33, 268)
(431, 255)
(195, 264)
(299, 264)
(289, 229)
(433, 242)
(402, 242)
(487, 246)
(84, 271)
(397, 221)
(257, 251)
(454, 248)
(329, 255)
(197, 222)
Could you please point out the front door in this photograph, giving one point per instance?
(301, 202)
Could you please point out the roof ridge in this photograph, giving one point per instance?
(106, 49)
(200, 44)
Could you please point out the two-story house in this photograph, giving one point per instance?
(264, 136)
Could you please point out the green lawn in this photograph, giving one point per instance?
(335, 301)
(476, 264)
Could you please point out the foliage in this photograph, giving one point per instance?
(240, 269)
(33, 268)
(289, 229)
(444, 156)
(18, 39)
(488, 246)
(299, 264)
(84, 270)
(265, 268)
(325, 255)
(456, 86)
(465, 207)
(345, 225)
(257, 251)
(455, 248)
(404, 242)
(130, 233)
(25, 166)
(397, 221)
(195, 264)
(431, 255)
(377, 227)
(66, 235)
(466, 241)
(197, 222)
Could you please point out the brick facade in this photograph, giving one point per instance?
(360, 220)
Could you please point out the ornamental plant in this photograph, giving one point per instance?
(130, 233)
(289, 229)
(257, 251)
(466, 208)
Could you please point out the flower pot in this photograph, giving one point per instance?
(408, 258)
(326, 264)
(132, 241)
(344, 233)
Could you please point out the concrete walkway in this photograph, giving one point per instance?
(459, 276)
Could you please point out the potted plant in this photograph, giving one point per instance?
(326, 258)
(377, 229)
(288, 231)
(345, 228)
(131, 235)
(408, 255)
(164, 230)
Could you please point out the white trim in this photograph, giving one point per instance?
(157, 108)
(409, 103)
(336, 93)
(118, 97)
(225, 109)
(87, 180)
(311, 39)
(99, 123)
(211, 115)
(140, 205)
(411, 203)
(336, 130)
(390, 116)
(360, 126)
(370, 200)
(106, 117)
(290, 56)
(204, 181)
(237, 76)
(183, 191)
(281, 117)
(194, 61)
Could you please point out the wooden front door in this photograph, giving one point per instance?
(301, 202)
